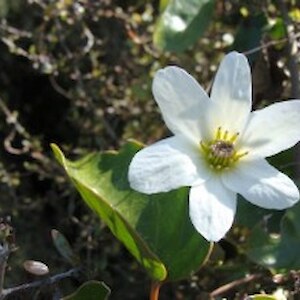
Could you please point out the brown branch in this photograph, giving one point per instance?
(12, 118)
(16, 32)
(59, 89)
(233, 284)
(28, 144)
(269, 44)
(40, 283)
(4, 254)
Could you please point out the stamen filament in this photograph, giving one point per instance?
(234, 137)
(225, 135)
(219, 131)
(239, 155)
(204, 147)
(220, 153)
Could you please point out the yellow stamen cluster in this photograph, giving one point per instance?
(220, 153)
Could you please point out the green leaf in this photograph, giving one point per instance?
(263, 247)
(262, 297)
(279, 252)
(163, 4)
(63, 247)
(91, 290)
(249, 35)
(250, 215)
(277, 30)
(182, 23)
(156, 229)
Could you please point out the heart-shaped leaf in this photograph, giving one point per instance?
(182, 23)
(156, 229)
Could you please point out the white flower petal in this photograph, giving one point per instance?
(166, 165)
(231, 94)
(181, 100)
(263, 185)
(272, 129)
(212, 209)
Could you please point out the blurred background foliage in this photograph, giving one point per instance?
(78, 73)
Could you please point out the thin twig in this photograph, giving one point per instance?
(12, 118)
(233, 284)
(269, 44)
(14, 31)
(4, 254)
(28, 144)
(58, 88)
(48, 281)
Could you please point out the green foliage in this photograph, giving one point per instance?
(63, 247)
(262, 297)
(182, 23)
(155, 228)
(79, 73)
(92, 290)
(249, 215)
(273, 235)
(9, 7)
(277, 29)
(278, 252)
(249, 34)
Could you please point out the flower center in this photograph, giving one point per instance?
(222, 149)
(220, 153)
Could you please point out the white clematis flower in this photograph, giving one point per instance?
(219, 146)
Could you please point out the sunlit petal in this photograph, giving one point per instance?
(212, 209)
(219, 146)
(263, 185)
(166, 165)
(231, 94)
(181, 100)
(272, 129)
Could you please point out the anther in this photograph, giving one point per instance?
(234, 137)
(220, 153)
(222, 149)
(225, 135)
(239, 155)
(219, 132)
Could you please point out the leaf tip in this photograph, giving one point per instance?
(57, 153)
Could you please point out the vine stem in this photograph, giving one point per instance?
(154, 292)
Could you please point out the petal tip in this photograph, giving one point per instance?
(208, 235)
(237, 56)
(166, 71)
